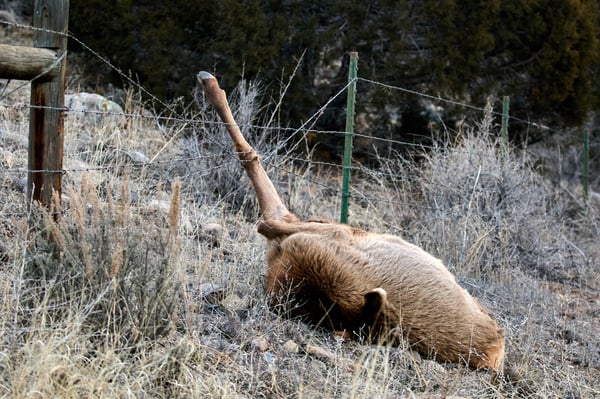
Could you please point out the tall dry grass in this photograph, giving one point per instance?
(123, 295)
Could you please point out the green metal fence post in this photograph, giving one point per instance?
(504, 128)
(349, 136)
(586, 170)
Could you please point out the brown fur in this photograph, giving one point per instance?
(345, 278)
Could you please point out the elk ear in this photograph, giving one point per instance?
(375, 314)
(374, 301)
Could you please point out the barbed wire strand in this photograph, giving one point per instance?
(137, 165)
(121, 73)
(225, 149)
(457, 103)
(97, 55)
(313, 118)
(294, 131)
(279, 146)
(33, 28)
(335, 189)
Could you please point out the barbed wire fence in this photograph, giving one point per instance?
(199, 122)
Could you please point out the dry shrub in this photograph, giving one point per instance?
(105, 262)
(489, 212)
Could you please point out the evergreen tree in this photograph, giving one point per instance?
(542, 54)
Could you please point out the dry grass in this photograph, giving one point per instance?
(113, 299)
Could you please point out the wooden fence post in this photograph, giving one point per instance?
(46, 117)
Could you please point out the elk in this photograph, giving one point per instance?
(345, 278)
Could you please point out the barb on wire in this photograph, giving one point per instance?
(57, 171)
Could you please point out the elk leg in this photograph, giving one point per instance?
(269, 201)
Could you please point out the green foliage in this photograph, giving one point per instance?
(461, 37)
(540, 53)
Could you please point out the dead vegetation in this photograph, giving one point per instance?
(135, 293)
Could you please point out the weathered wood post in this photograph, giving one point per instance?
(46, 117)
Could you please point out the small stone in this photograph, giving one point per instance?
(138, 157)
(260, 343)
(270, 358)
(291, 346)
(20, 184)
(319, 352)
(160, 205)
(231, 329)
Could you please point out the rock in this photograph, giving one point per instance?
(231, 329)
(7, 16)
(138, 157)
(291, 346)
(320, 353)
(94, 108)
(20, 184)
(260, 343)
(270, 358)
(91, 102)
(160, 205)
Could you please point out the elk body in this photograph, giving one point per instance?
(348, 279)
